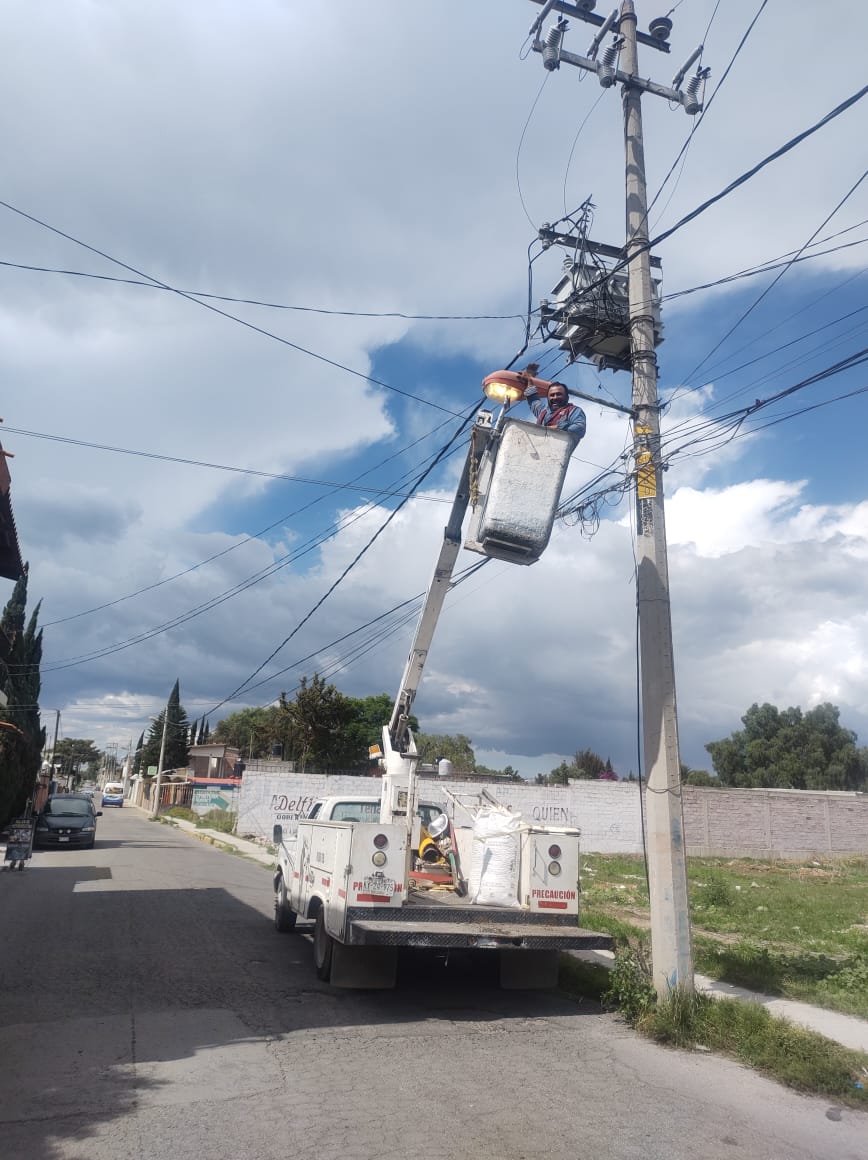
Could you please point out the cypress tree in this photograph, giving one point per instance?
(177, 735)
(21, 737)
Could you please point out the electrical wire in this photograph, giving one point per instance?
(202, 463)
(735, 184)
(247, 539)
(521, 143)
(582, 124)
(766, 268)
(697, 121)
(224, 313)
(269, 305)
(213, 602)
(743, 178)
(359, 555)
(746, 313)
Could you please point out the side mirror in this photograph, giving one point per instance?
(99, 813)
(277, 835)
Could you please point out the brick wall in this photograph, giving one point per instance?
(717, 822)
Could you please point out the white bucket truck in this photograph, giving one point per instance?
(376, 874)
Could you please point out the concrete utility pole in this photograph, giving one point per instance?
(667, 867)
(54, 744)
(670, 919)
(155, 807)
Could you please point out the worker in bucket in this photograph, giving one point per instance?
(557, 410)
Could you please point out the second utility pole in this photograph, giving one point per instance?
(667, 866)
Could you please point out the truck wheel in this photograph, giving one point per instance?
(284, 918)
(322, 948)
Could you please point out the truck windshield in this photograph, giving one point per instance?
(356, 812)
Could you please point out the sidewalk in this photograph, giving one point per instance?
(249, 849)
(848, 1030)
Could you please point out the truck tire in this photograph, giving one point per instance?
(284, 917)
(322, 948)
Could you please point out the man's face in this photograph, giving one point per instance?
(557, 397)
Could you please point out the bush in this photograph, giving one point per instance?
(182, 812)
(222, 820)
(717, 891)
(630, 991)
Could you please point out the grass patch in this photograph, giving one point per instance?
(182, 812)
(795, 929)
(744, 1031)
(796, 1057)
(221, 820)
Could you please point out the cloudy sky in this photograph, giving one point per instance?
(345, 167)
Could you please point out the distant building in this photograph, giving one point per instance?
(215, 762)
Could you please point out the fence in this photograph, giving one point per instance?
(717, 822)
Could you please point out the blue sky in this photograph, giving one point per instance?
(358, 179)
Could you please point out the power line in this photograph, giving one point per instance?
(755, 169)
(247, 539)
(269, 305)
(765, 268)
(682, 153)
(213, 602)
(768, 289)
(204, 463)
(348, 568)
(225, 313)
(725, 192)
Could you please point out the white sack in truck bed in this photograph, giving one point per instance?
(496, 861)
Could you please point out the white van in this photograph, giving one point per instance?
(113, 793)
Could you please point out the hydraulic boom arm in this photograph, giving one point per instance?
(440, 585)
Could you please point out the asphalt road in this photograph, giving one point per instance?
(149, 1010)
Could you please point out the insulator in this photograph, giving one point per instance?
(551, 53)
(693, 96)
(606, 67)
(660, 28)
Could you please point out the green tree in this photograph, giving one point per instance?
(505, 774)
(700, 777)
(318, 719)
(456, 748)
(561, 775)
(588, 765)
(22, 737)
(72, 754)
(177, 735)
(786, 749)
(251, 731)
(365, 726)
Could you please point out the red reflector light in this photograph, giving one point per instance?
(554, 851)
(381, 841)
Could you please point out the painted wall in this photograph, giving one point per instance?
(717, 822)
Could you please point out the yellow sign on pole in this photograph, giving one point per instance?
(646, 473)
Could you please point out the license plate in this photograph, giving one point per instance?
(62, 839)
(385, 887)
